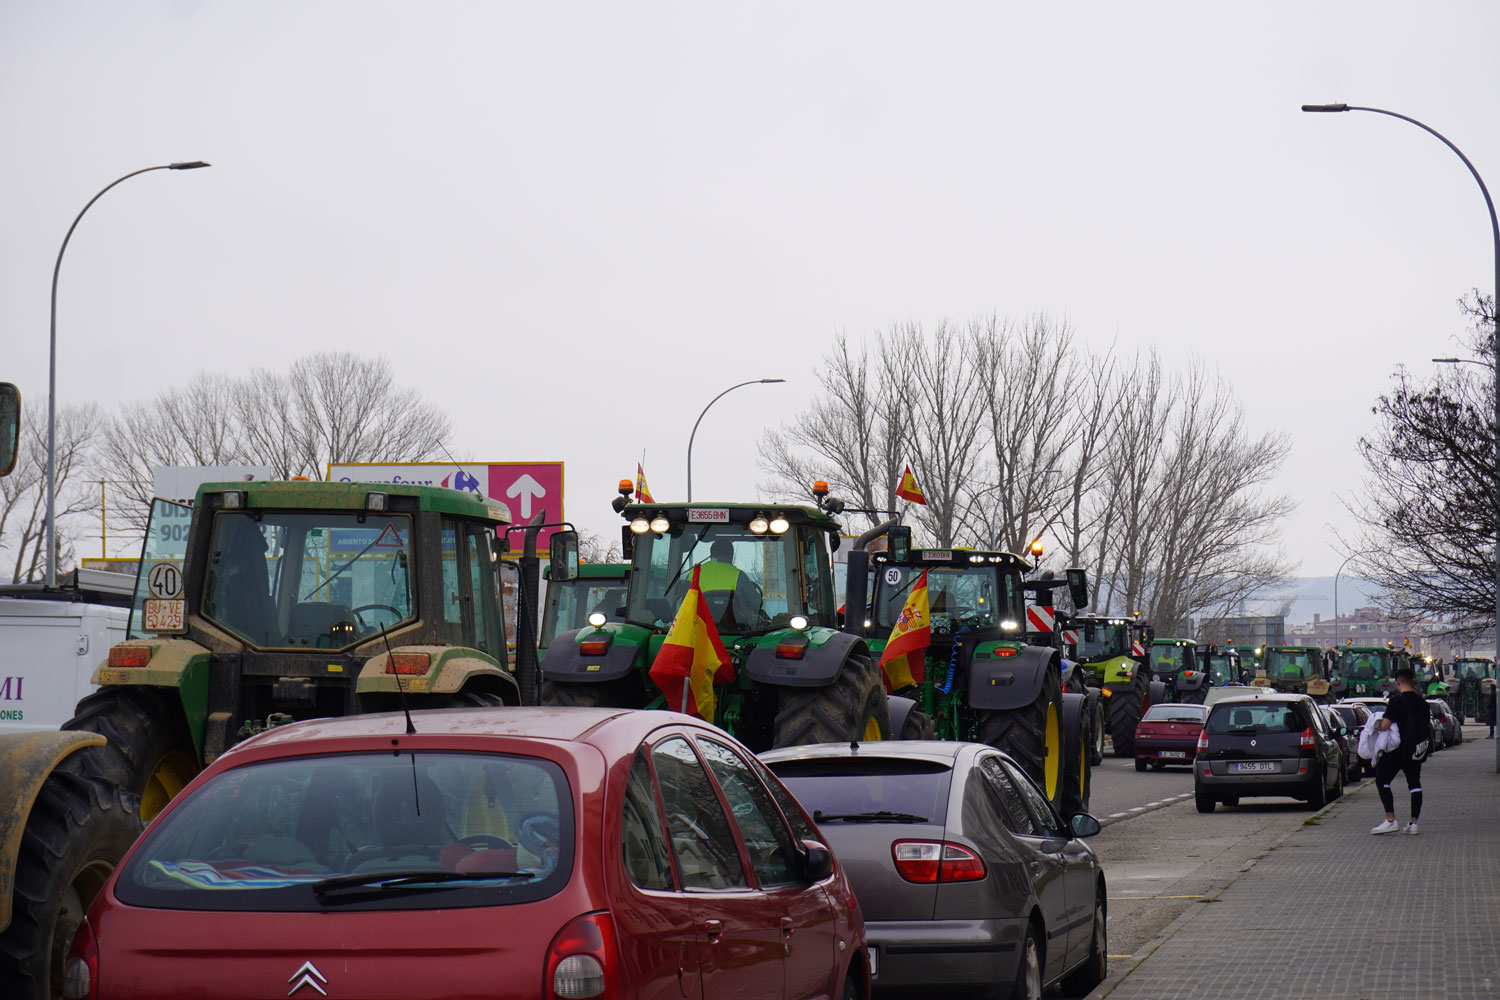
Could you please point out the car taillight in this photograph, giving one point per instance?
(925, 861)
(1306, 742)
(408, 663)
(582, 962)
(129, 656)
(81, 972)
(1202, 742)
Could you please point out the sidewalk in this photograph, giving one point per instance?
(1333, 913)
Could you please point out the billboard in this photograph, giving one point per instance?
(531, 490)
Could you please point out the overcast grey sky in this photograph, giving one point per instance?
(573, 224)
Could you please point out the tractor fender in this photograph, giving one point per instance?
(825, 655)
(451, 669)
(1192, 683)
(900, 709)
(1009, 682)
(26, 761)
(566, 663)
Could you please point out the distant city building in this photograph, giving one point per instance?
(1244, 630)
(1368, 627)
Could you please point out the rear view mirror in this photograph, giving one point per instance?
(562, 556)
(627, 543)
(898, 543)
(10, 427)
(1078, 587)
(1084, 825)
(817, 861)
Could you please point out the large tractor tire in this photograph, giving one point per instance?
(853, 707)
(474, 699)
(79, 827)
(149, 753)
(1195, 697)
(1125, 708)
(623, 693)
(1077, 778)
(1097, 727)
(1033, 735)
(909, 722)
(1157, 695)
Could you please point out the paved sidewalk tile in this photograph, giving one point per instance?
(1333, 913)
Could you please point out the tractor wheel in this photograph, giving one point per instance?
(1156, 696)
(79, 827)
(853, 707)
(909, 722)
(1125, 709)
(1097, 728)
(1196, 697)
(623, 693)
(1077, 775)
(149, 753)
(474, 699)
(1032, 735)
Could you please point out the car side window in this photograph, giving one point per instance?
(801, 828)
(1036, 803)
(1012, 808)
(644, 843)
(766, 837)
(703, 842)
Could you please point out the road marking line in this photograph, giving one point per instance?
(1117, 815)
(1122, 956)
(1116, 898)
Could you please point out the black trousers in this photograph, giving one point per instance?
(1386, 769)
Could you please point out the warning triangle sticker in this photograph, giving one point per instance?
(389, 539)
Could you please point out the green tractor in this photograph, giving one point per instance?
(1174, 663)
(1430, 679)
(767, 580)
(1223, 665)
(599, 588)
(1368, 671)
(1110, 652)
(1249, 658)
(1299, 670)
(1476, 679)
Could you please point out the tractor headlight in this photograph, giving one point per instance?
(798, 622)
(660, 525)
(759, 525)
(1010, 625)
(597, 619)
(640, 526)
(779, 525)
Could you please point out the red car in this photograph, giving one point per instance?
(1168, 734)
(561, 854)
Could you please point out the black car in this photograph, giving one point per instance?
(966, 875)
(1445, 724)
(1355, 714)
(1274, 744)
(1346, 738)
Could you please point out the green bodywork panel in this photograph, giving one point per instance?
(299, 495)
(175, 663)
(948, 708)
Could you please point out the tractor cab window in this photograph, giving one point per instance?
(295, 580)
(570, 603)
(967, 599)
(752, 582)
(1366, 665)
(471, 589)
(1102, 642)
(1291, 664)
(1222, 668)
(1171, 659)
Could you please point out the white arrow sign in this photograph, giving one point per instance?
(526, 489)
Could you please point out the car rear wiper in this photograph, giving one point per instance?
(1242, 730)
(883, 816)
(385, 881)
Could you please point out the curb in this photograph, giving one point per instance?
(1144, 952)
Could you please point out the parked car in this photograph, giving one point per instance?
(1355, 714)
(1445, 720)
(1276, 744)
(1346, 738)
(1168, 734)
(1372, 704)
(525, 852)
(967, 877)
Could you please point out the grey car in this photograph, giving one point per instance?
(1277, 744)
(1347, 739)
(966, 875)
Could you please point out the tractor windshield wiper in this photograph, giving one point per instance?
(882, 816)
(387, 881)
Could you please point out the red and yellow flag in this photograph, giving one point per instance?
(903, 662)
(908, 489)
(692, 652)
(642, 491)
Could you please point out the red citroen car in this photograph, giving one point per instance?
(561, 854)
(1168, 734)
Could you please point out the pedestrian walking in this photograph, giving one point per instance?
(1408, 712)
(1490, 700)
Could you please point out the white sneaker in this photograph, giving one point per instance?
(1411, 828)
(1389, 826)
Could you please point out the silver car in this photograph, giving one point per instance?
(966, 875)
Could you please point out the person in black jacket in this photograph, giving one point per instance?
(1491, 699)
(1409, 713)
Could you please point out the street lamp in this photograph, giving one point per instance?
(1336, 598)
(711, 402)
(52, 370)
(1494, 322)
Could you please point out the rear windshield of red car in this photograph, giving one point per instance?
(1174, 713)
(862, 789)
(385, 831)
(1253, 719)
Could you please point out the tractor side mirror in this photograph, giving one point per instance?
(898, 543)
(10, 427)
(562, 556)
(627, 543)
(499, 546)
(1078, 587)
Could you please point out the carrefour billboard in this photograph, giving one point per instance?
(532, 490)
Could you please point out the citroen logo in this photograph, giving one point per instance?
(308, 975)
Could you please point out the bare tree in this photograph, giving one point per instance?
(349, 409)
(23, 494)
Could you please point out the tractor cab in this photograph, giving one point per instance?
(1474, 678)
(1367, 671)
(1222, 664)
(599, 589)
(975, 594)
(1174, 662)
(1296, 669)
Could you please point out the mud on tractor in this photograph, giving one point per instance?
(1476, 679)
(262, 603)
(1300, 670)
(767, 580)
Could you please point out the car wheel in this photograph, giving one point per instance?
(1157, 765)
(1231, 800)
(1140, 765)
(1082, 980)
(1029, 972)
(850, 990)
(1204, 800)
(1338, 789)
(1317, 796)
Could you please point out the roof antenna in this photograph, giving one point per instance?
(457, 466)
(400, 688)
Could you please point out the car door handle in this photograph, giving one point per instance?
(786, 926)
(715, 928)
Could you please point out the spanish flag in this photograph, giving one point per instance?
(693, 652)
(642, 491)
(908, 489)
(903, 659)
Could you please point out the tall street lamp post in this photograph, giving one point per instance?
(51, 540)
(711, 402)
(1494, 322)
(1336, 598)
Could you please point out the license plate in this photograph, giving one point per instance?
(874, 962)
(1176, 754)
(1257, 766)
